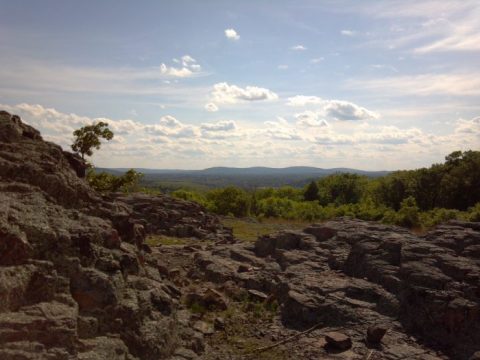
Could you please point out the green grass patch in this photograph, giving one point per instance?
(156, 240)
(249, 229)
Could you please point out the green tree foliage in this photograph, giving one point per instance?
(408, 215)
(391, 190)
(311, 192)
(454, 184)
(229, 201)
(460, 184)
(104, 182)
(414, 198)
(191, 196)
(88, 138)
(342, 189)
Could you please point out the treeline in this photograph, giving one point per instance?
(413, 198)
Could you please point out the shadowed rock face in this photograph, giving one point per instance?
(75, 281)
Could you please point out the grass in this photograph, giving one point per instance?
(249, 229)
(242, 320)
(156, 240)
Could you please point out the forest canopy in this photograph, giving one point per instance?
(411, 198)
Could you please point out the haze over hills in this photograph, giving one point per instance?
(255, 170)
(250, 177)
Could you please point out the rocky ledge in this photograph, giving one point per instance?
(77, 280)
(380, 289)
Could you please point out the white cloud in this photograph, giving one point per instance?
(171, 143)
(224, 93)
(170, 122)
(298, 48)
(333, 109)
(225, 125)
(231, 34)
(302, 100)
(310, 118)
(282, 67)
(435, 26)
(344, 110)
(169, 127)
(29, 77)
(387, 135)
(189, 67)
(468, 127)
(457, 84)
(211, 107)
(187, 59)
(348, 32)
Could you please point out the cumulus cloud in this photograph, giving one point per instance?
(310, 119)
(298, 48)
(224, 93)
(173, 143)
(211, 107)
(344, 110)
(386, 135)
(225, 125)
(122, 127)
(302, 100)
(280, 130)
(189, 67)
(231, 34)
(468, 127)
(170, 122)
(333, 109)
(169, 126)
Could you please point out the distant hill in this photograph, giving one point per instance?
(251, 177)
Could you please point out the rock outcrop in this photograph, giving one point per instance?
(75, 279)
(160, 214)
(363, 279)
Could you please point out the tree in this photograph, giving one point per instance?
(88, 138)
(341, 189)
(230, 200)
(311, 192)
(460, 185)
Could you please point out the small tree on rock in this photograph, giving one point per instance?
(88, 138)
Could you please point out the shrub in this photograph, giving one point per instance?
(408, 215)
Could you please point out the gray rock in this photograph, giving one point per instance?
(338, 340)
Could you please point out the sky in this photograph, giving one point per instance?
(188, 84)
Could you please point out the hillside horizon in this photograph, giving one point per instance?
(250, 170)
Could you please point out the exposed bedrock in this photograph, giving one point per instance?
(75, 279)
(351, 274)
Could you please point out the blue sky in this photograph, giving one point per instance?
(194, 84)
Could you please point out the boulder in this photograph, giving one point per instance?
(375, 333)
(338, 340)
